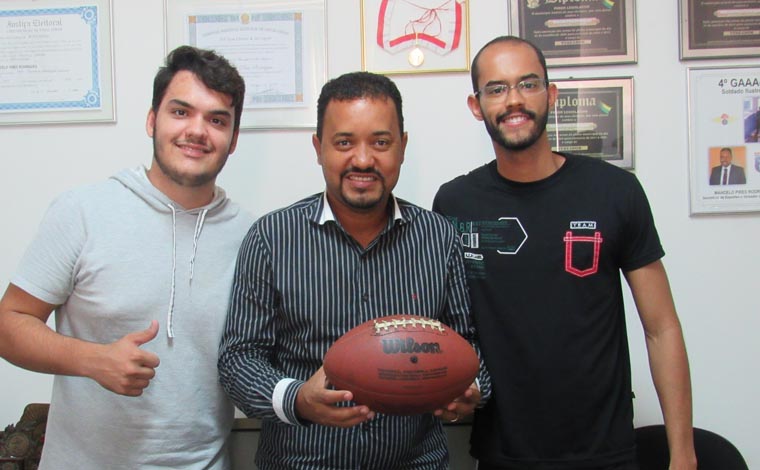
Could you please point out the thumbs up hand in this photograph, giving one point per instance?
(122, 367)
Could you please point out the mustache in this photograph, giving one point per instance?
(370, 171)
(199, 142)
(503, 116)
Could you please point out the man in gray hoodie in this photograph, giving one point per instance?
(138, 271)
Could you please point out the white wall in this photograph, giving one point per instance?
(273, 168)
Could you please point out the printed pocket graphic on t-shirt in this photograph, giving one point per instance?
(582, 253)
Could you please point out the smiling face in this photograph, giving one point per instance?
(361, 152)
(193, 134)
(515, 122)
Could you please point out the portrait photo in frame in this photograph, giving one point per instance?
(719, 30)
(578, 33)
(724, 139)
(44, 83)
(283, 72)
(594, 117)
(415, 36)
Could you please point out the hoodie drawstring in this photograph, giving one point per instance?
(196, 235)
(198, 228)
(170, 314)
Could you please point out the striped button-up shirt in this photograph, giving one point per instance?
(301, 282)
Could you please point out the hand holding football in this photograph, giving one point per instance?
(402, 364)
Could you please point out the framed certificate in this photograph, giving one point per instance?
(719, 29)
(56, 62)
(278, 48)
(578, 32)
(594, 117)
(404, 36)
(724, 139)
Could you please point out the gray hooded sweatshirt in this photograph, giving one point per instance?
(114, 256)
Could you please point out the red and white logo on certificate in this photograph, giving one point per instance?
(433, 24)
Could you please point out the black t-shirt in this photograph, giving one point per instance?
(543, 263)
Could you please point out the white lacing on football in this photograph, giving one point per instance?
(403, 322)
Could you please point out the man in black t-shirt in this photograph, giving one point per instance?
(546, 236)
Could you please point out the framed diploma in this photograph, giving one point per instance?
(415, 36)
(278, 48)
(594, 117)
(724, 139)
(56, 62)
(573, 33)
(719, 29)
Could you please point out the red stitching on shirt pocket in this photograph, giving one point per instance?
(569, 240)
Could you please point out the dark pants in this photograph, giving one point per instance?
(622, 466)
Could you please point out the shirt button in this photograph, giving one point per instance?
(365, 297)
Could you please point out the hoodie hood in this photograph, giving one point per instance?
(136, 180)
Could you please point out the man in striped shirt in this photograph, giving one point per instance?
(308, 273)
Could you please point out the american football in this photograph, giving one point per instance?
(401, 364)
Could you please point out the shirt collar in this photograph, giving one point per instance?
(327, 214)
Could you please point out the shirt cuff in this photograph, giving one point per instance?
(278, 399)
(284, 401)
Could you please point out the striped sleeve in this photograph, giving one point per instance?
(246, 370)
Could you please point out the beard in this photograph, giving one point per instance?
(364, 200)
(501, 139)
(190, 180)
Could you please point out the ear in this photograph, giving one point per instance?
(317, 147)
(474, 104)
(553, 93)
(150, 122)
(233, 144)
(404, 140)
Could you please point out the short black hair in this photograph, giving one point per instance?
(475, 73)
(211, 68)
(354, 86)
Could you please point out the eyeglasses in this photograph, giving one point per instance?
(527, 87)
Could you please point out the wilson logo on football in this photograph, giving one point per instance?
(409, 345)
